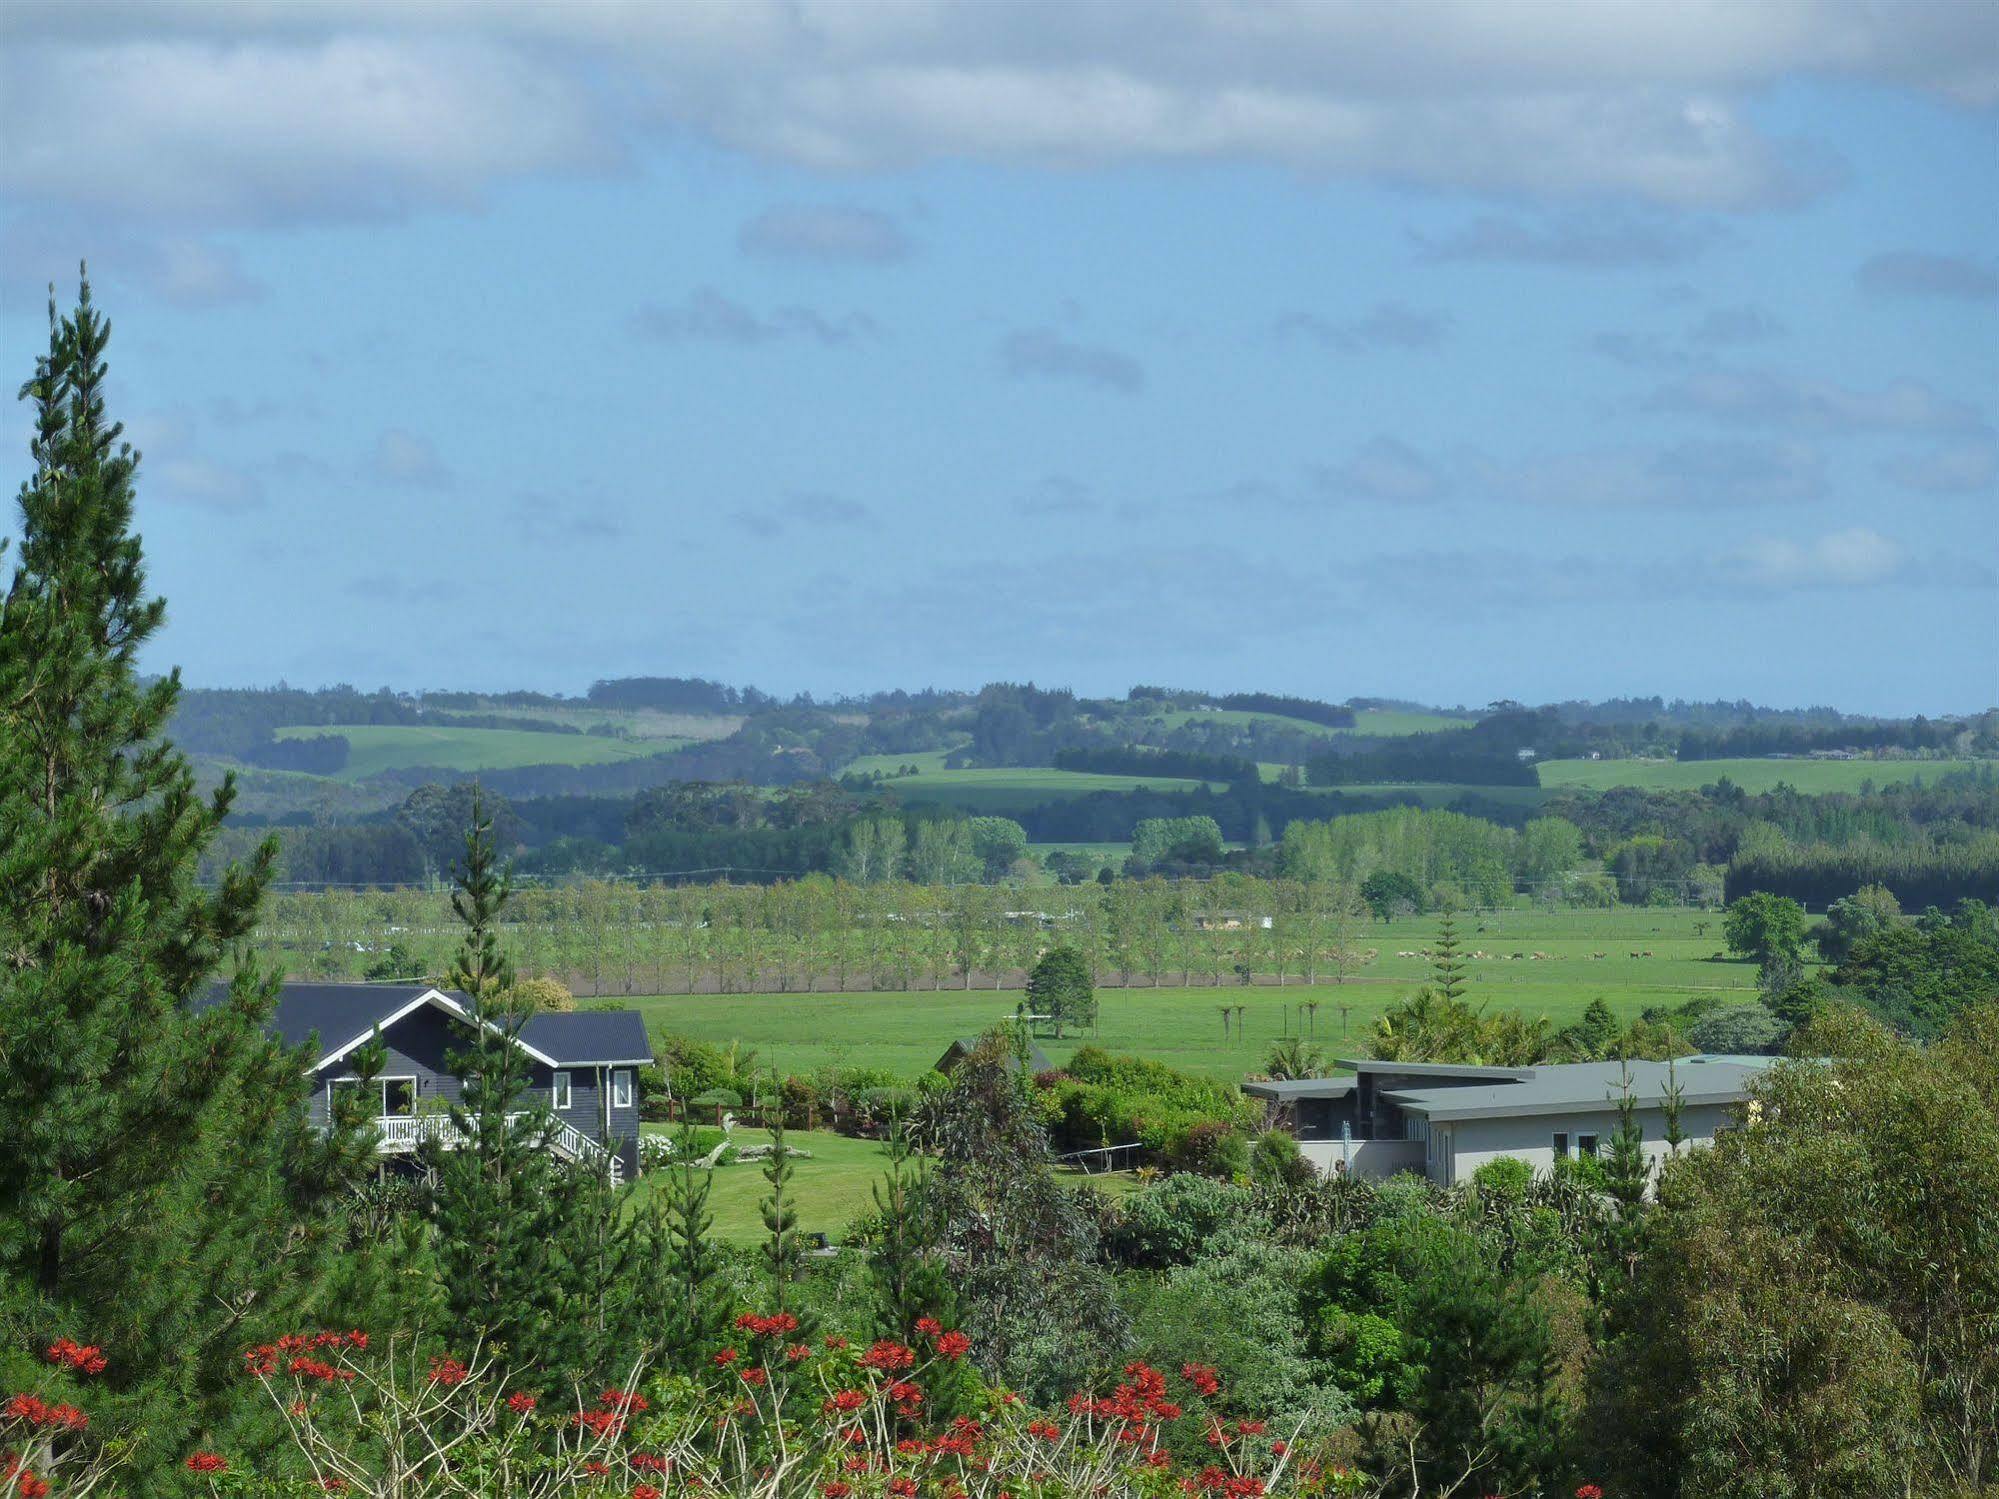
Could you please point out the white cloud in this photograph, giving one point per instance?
(229, 111)
(1853, 558)
(1914, 273)
(1954, 468)
(1387, 470)
(1387, 325)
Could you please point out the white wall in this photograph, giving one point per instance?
(1530, 1137)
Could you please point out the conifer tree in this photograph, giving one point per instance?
(1625, 1169)
(1445, 963)
(496, 1197)
(691, 1311)
(781, 1248)
(161, 1193)
(908, 1274)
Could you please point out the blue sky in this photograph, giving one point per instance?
(1452, 352)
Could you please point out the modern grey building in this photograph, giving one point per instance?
(583, 1065)
(1446, 1120)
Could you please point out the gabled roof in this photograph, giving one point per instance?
(591, 1037)
(964, 1046)
(346, 1016)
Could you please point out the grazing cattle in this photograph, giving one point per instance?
(1598, 955)
(1645, 955)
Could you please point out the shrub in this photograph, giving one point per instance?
(1212, 1148)
(1169, 1223)
(1276, 1161)
(543, 995)
(1738, 1030)
(1506, 1177)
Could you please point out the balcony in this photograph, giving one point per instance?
(403, 1133)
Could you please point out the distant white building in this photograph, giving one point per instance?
(1446, 1121)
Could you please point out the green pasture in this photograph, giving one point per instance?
(637, 723)
(378, 747)
(1000, 789)
(1429, 793)
(1367, 721)
(831, 1189)
(906, 1031)
(1754, 776)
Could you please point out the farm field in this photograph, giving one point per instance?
(1367, 721)
(831, 1188)
(1429, 793)
(379, 747)
(1001, 789)
(908, 1030)
(1753, 776)
(639, 723)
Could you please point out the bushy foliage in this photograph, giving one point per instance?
(1101, 1099)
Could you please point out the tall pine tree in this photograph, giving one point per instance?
(160, 1191)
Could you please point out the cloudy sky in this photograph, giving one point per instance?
(1443, 350)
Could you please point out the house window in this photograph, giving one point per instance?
(1561, 1145)
(621, 1089)
(387, 1098)
(559, 1095)
(1585, 1144)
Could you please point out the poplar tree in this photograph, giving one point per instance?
(161, 1194)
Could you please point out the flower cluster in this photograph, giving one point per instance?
(36, 1412)
(294, 1352)
(72, 1355)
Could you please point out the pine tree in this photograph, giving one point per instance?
(161, 1192)
(691, 1313)
(497, 1195)
(781, 1248)
(908, 1275)
(1625, 1168)
(1449, 968)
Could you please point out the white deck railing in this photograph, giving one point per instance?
(405, 1132)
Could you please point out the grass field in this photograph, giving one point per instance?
(379, 747)
(1001, 789)
(832, 1188)
(1367, 721)
(1753, 776)
(909, 1031)
(638, 723)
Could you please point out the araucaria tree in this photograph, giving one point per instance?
(160, 1191)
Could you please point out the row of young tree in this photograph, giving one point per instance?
(605, 937)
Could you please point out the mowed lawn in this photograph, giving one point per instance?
(907, 1031)
(1753, 776)
(379, 747)
(831, 1189)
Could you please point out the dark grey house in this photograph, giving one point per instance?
(584, 1065)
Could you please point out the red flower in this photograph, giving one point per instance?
(646, 1491)
(953, 1345)
(888, 1354)
(85, 1360)
(520, 1403)
(623, 1400)
(1589, 1491)
(207, 1462)
(725, 1358)
(835, 1488)
(755, 1376)
(448, 1371)
(929, 1326)
(1202, 1377)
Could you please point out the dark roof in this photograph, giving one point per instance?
(964, 1046)
(590, 1036)
(337, 1013)
(1284, 1090)
(341, 1013)
(1436, 1069)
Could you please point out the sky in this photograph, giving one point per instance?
(1444, 351)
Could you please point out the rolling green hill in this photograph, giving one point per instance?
(1753, 776)
(379, 747)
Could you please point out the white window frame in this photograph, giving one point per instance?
(561, 1092)
(381, 1087)
(621, 1088)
